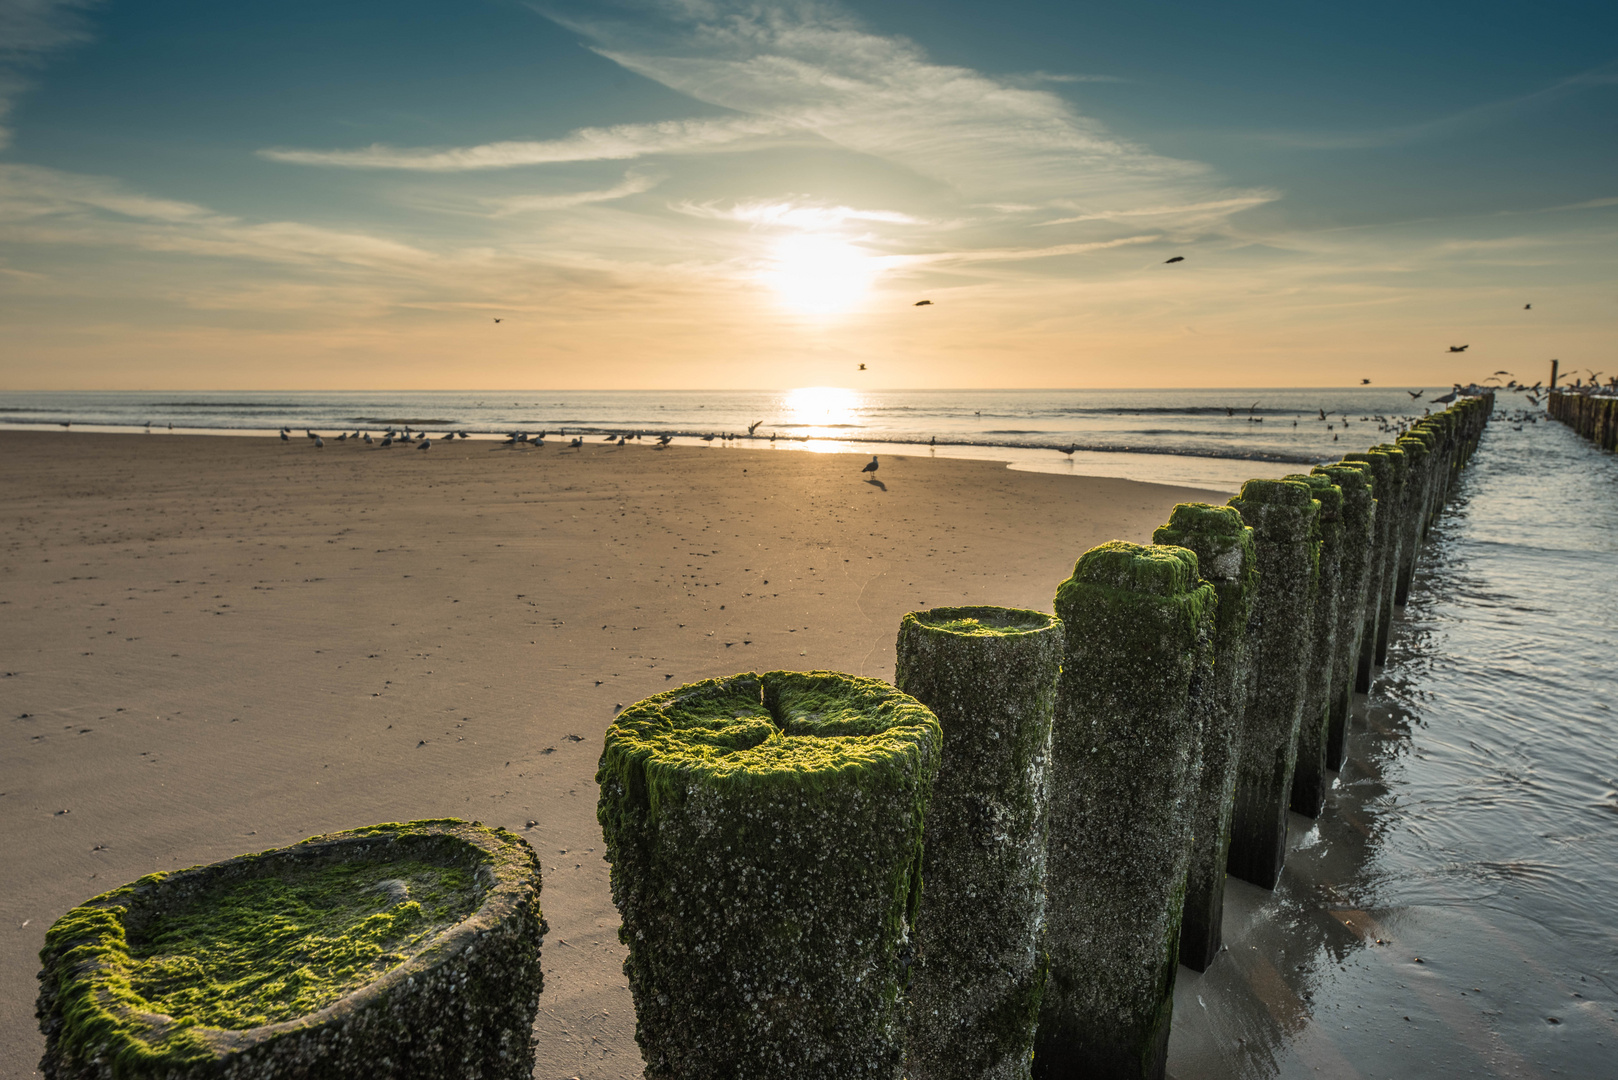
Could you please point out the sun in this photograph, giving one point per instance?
(818, 274)
(823, 411)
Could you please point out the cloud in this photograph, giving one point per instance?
(618, 143)
(29, 31)
(632, 184)
(792, 215)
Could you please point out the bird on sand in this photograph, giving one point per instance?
(1068, 450)
(1177, 258)
(285, 437)
(343, 437)
(1414, 394)
(425, 444)
(923, 303)
(367, 438)
(1459, 348)
(871, 467)
(320, 444)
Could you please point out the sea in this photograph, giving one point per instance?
(1206, 438)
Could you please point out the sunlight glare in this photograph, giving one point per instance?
(822, 410)
(819, 275)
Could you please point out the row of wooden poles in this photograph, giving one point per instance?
(1100, 773)
(1595, 416)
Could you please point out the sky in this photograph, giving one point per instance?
(705, 194)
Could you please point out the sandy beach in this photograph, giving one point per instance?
(216, 645)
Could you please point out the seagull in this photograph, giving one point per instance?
(1414, 394)
(1502, 371)
(1459, 348)
(1177, 258)
(497, 320)
(1527, 307)
(463, 434)
(1323, 414)
(425, 444)
(1068, 450)
(1365, 382)
(387, 441)
(285, 437)
(871, 467)
(367, 437)
(577, 443)
(343, 437)
(753, 426)
(923, 303)
(447, 436)
(862, 367)
(320, 444)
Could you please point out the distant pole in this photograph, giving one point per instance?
(1554, 365)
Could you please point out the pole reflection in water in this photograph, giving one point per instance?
(1454, 912)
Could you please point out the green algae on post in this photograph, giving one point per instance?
(989, 675)
(1310, 779)
(1376, 590)
(1125, 751)
(1397, 508)
(1359, 534)
(1284, 515)
(396, 950)
(765, 838)
(1228, 561)
(1416, 454)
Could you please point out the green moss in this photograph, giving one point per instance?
(153, 975)
(982, 621)
(773, 822)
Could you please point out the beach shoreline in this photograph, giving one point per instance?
(223, 645)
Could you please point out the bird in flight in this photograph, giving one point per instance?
(1414, 394)
(753, 426)
(862, 367)
(923, 303)
(1177, 258)
(1365, 382)
(1527, 307)
(1459, 348)
(1502, 371)
(871, 467)
(497, 320)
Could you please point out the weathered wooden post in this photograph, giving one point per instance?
(1359, 534)
(1124, 764)
(765, 838)
(1226, 559)
(1396, 507)
(1417, 447)
(989, 675)
(1376, 608)
(1310, 779)
(1286, 532)
(395, 951)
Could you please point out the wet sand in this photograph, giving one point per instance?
(225, 644)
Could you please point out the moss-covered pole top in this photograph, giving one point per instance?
(985, 622)
(1283, 511)
(803, 728)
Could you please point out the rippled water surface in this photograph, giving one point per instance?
(1454, 912)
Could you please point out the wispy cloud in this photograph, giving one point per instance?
(792, 215)
(29, 31)
(618, 143)
(632, 184)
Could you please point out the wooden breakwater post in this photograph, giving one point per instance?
(1138, 654)
(1286, 533)
(1310, 778)
(989, 675)
(1226, 558)
(1354, 480)
(1592, 415)
(765, 837)
(1381, 470)
(1397, 508)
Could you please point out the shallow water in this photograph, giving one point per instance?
(1475, 824)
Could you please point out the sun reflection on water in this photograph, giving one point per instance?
(823, 411)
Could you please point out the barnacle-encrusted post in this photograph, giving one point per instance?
(1286, 531)
(1310, 780)
(1124, 765)
(1354, 572)
(399, 951)
(1227, 560)
(1397, 508)
(765, 838)
(989, 675)
(1417, 447)
(1376, 610)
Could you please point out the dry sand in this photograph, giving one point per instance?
(211, 646)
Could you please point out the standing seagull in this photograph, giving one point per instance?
(871, 467)
(320, 444)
